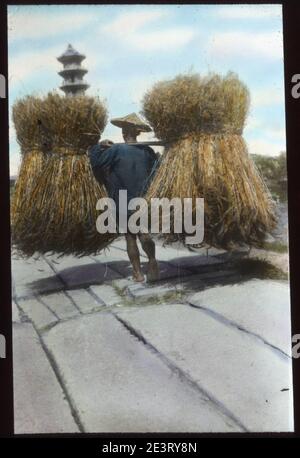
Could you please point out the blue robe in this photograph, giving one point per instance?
(125, 167)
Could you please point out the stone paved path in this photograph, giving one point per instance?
(203, 350)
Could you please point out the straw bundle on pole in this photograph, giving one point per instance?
(26, 114)
(54, 206)
(209, 157)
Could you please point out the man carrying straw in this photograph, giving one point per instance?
(128, 167)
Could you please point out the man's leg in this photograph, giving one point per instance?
(134, 257)
(149, 247)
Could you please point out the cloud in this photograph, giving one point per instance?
(164, 40)
(138, 88)
(253, 123)
(267, 97)
(269, 129)
(95, 59)
(27, 24)
(132, 21)
(129, 29)
(255, 12)
(23, 65)
(267, 45)
(120, 91)
(38, 63)
(277, 133)
(14, 154)
(265, 148)
(12, 133)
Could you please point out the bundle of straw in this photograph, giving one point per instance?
(54, 204)
(202, 120)
(26, 114)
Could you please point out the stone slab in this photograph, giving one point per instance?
(203, 280)
(163, 253)
(210, 251)
(65, 262)
(122, 284)
(169, 253)
(119, 243)
(85, 301)
(122, 386)
(197, 263)
(33, 276)
(166, 270)
(39, 402)
(40, 315)
(144, 291)
(123, 268)
(107, 294)
(111, 255)
(61, 305)
(86, 275)
(260, 306)
(15, 313)
(243, 375)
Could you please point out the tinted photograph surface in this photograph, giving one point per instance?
(149, 219)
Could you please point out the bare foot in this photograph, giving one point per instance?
(153, 270)
(138, 277)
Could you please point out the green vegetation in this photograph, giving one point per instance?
(175, 295)
(273, 169)
(276, 246)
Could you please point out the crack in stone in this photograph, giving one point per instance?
(72, 301)
(40, 300)
(230, 323)
(182, 374)
(23, 317)
(94, 296)
(60, 379)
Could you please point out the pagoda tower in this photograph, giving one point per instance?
(72, 72)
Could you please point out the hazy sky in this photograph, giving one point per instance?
(129, 47)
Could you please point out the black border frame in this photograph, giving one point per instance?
(291, 21)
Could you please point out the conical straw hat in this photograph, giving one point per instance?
(131, 120)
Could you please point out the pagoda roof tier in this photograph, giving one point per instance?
(72, 71)
(67, 87)
(71, 55)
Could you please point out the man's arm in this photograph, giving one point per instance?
(101, 158)
(153, 159)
